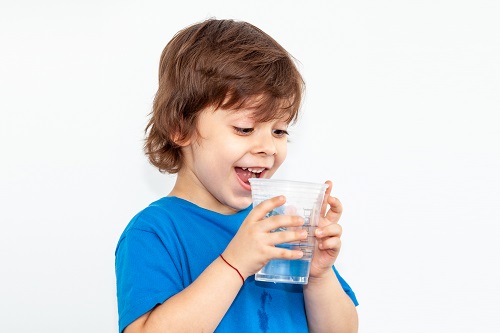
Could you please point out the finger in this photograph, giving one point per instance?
(324, 205)
(261, 210)
(288, 236)
(278, 222)
(331, 230)
(331, 243)
(335, 211)
(285, 253)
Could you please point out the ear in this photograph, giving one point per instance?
(180, 141)
(179, 135)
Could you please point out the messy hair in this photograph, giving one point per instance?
(222, 64)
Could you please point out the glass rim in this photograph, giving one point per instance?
(292, 183)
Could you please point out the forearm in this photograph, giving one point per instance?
(198, 308)
(328, 307)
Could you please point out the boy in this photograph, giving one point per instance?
(227, 93)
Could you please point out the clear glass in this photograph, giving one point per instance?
(302, 199)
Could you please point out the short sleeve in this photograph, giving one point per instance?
(348, 290)
(146, 274)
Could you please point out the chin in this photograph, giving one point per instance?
(241, 204)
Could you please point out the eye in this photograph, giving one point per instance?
(280, 133)
(243, 131)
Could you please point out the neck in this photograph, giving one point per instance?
(190, 189)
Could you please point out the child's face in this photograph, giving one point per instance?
(231, 148)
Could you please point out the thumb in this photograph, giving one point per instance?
(324, 205)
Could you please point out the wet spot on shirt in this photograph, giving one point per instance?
(265, 299)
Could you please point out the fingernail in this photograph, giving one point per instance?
(319, 232)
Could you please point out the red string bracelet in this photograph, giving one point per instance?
(237, 271)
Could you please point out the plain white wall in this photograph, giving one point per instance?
(399, 113)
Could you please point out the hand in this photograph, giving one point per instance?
(253, 246)
(328, 236)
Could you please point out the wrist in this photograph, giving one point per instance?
(233, 268)
(321, 279)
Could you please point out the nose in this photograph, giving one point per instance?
(265, 144)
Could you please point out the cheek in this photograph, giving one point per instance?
(282, 153)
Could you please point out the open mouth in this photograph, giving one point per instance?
(246, 173)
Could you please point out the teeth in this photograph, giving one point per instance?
(254, 170)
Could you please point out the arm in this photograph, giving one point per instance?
(202, 305)
(198, 308)
(328, 307)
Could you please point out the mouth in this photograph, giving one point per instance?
(244, 174)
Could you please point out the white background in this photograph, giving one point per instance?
(399, 113)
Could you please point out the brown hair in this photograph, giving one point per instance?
(222, 64)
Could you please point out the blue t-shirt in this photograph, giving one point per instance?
(169, 244)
